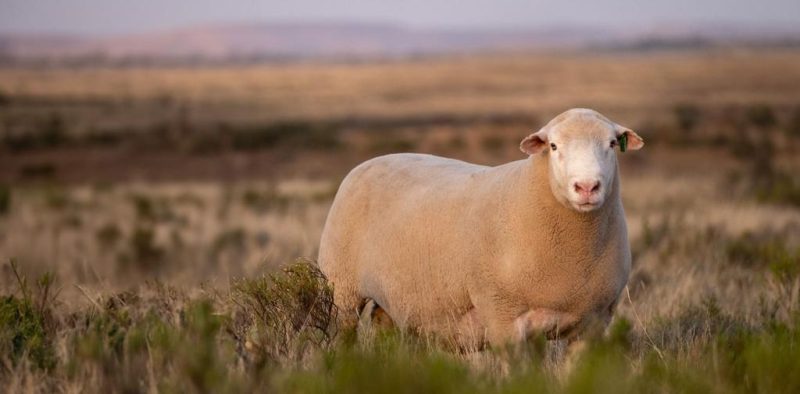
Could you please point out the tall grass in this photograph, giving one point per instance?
(276, 333)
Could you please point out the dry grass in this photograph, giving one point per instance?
(629, 85)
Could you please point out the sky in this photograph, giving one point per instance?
(103, 17)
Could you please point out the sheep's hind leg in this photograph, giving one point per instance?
(349, 305)
(371, 319)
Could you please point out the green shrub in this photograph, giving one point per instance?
(126, 346)
(26, 329)
(201, 358)
(23, 333)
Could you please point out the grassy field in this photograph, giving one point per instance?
(150, 220)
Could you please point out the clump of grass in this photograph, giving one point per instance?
(768, 359)
(197, 351)
(133, 345)
(283, 316)
(695, 325)
(26, 326)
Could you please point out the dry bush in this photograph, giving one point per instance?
(285, 316)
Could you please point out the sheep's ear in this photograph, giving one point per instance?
(534, 143)
(628, 139)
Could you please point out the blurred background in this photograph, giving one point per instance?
(192, 142)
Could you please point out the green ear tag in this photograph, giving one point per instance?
(623, 142)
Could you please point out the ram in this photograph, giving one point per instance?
(480, 254)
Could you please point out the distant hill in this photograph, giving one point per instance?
(311, 40)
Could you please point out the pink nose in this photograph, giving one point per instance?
(587, 188)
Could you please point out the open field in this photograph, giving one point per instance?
(88, 124)
(145, 206)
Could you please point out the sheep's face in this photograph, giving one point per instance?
(581, 145)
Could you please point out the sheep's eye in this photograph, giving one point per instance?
(553, 147)
(613, 144)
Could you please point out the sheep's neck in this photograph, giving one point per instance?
(553, 245)
(564, 222)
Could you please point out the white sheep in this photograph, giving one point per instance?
(482, 254)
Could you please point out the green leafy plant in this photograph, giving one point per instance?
(26, 326)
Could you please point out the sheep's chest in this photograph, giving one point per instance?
(579, 285)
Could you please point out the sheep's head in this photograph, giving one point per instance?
(581, 145)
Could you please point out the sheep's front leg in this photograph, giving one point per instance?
(593, 329)
(551, 323)
(517, 328)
